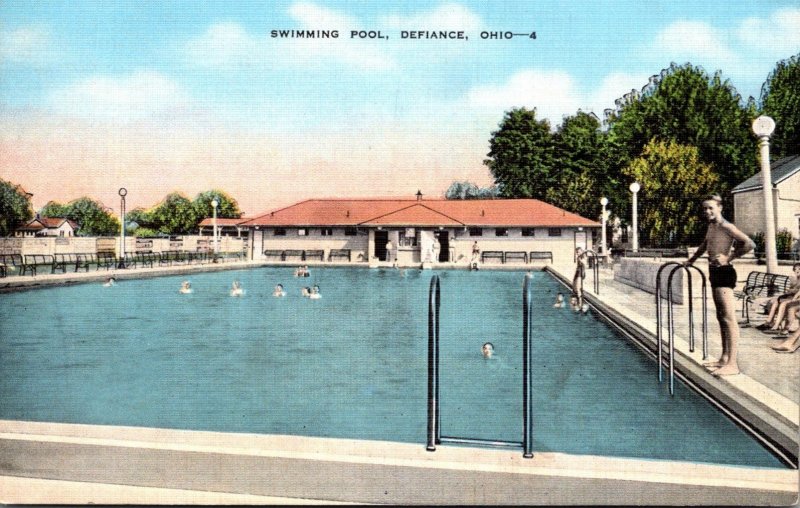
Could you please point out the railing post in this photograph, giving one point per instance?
(527, 378)
(433, 363)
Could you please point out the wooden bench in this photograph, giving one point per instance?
(32, 262)
(492, 254)
(515, 255)
(106, 260)
(761, 285)
(540, 255)
(293, 254)
(314, 254)
(339, 254)
(274, 253)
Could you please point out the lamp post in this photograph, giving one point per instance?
(214, 205)
(763, 127)
(122, 193)
(635, 187)
(603, 203)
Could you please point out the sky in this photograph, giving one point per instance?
(164, 96)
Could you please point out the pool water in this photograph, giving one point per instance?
(352, 364)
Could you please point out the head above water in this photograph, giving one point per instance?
(487, 349)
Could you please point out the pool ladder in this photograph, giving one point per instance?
(670, 319)
(434, 434)
(590, 254)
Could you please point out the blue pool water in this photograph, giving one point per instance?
(352, 364)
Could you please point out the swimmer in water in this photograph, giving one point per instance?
(585, 308)
(110, 281)
(487, 350)
(305, 271)
(278, 291)
(315, 293)
(573, 303)
(559, 301)
(236, 289)
(186, 287)
(305, 291)
(298, 272)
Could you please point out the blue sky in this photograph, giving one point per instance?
(162, 96)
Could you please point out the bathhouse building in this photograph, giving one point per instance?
(413, 231)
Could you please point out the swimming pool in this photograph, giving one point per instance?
(351, 364)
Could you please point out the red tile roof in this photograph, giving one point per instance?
(47, 223)
(426, 212)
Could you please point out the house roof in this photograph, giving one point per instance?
(40, 223)
(780, 171)
(223, 222)
(425, 212)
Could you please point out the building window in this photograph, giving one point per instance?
(528, 232)
(408, 238)
(279, 232)
(302, 232)
(553, 231)
(326, 231)
(475, 232)
(350, 231)
(501, 232)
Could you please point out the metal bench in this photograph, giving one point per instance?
(518, 255)
(314, 254)
(761, 285)
(32, 262)
(339, 254)
(274, 253)
(492, 254)
(11, 262)
(106, 260)
(62, 260)
(540, 255)
(293, 254)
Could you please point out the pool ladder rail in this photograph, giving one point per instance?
(676, 267)
(434, 434)
(590, 254)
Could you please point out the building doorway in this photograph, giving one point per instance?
(381, 238)
(444, 246)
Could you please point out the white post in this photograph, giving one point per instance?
(635, 190)
(215, 204)
(763, 126)
(603, 202)
(122, 193)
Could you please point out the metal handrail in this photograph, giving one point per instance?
(434, 435)
(671, 325)
(595, 271)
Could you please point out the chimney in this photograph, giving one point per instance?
(419, 195)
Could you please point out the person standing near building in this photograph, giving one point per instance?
(390, 251)
(722, 237)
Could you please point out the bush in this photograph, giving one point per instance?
(783, 241)
(758, 239)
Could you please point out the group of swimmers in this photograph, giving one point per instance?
(574, 303)
(302, 271)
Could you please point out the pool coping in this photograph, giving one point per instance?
(344, 470)
(773, 417)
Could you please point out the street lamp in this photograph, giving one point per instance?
(215, 204)
(635, 187)
(122, 193)
(763, 127)
(603, 203)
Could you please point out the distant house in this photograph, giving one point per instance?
(416, 230)
(225, 227)
(748, 199)
(47, 226)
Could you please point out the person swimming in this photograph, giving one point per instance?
(559, 301)
(110, 281)
(186, 287)
(573, 303)
(315, 293)
(305, 291)
(278, 291)
(236, 289)
(487, 350)
(585, 308)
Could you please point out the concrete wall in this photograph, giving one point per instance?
(641, 273)
(562, 247)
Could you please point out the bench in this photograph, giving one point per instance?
(32, 262)
(492, 254)
(9, 261)
(518, 255)
(540, 255)
(293, 254)
(339, 254)
(314, 254)
(106, 260)
(274, 254)
(761, 285)
(62, 260)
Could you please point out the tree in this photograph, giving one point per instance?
(468, 190)
(521, 155)
(92, 217)
(576, 193)
(15, 207)
(674, 181)
(53, 209)
(780, 99)
(685, 105)
(175, 215)
(227, 208)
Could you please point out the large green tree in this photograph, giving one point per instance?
(92, 217)
(227, 207)
(780, 99)
(674, 181)
(15, 207)
(686, 105)
(175, 215)
(521, 155)
(468, 190)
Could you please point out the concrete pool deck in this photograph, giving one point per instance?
(64, 463)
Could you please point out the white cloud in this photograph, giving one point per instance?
(448, 16)
(694, 39)
(613, 87)
(138, 95)
(29, 45)
(223, 45)
(780, 33)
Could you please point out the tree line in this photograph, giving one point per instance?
(684, 135)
